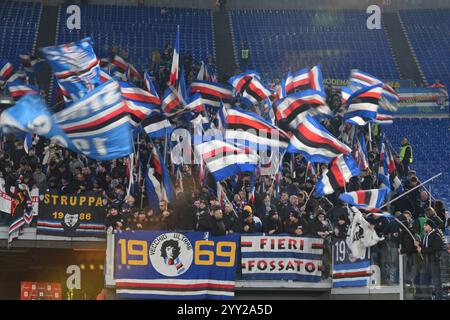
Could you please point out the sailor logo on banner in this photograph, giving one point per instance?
(71, 215)
(281, 257)
(171, 254)
(170, 265)
(347, 270)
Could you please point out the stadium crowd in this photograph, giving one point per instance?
(290, 206)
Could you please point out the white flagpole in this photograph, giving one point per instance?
(404, 194)
(131, 173)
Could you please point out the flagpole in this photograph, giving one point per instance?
(370, 136)
(410, 233)
(404, 194)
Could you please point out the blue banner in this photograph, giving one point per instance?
(281, 257)
(171, 265)
(347, 271)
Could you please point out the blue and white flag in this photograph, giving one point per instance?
(347, 270)
(369, 200)
(75, 66)
(341, 170)
(362, 106)
(161, 174)
(224, 160)
(99, 123)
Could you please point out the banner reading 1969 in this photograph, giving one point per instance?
(171, 265)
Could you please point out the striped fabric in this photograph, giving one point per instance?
(342, 169)
(370, 200)
(255, 92)
(224, 160)
(174, 288)
(362, 106)
(249, 129)
(174, 71)
(355, 274)
(316, 143)
(18, 89)
(292, 110)
(139, 103)
(212, 93)
(172, 103)
(305, 79)
(241, 81)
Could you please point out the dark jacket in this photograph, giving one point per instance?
(252, 226)
(302, 223)
(231, 221)
(212, 225)
(111, 221)
(432, 246)
(407, 243)
(272, 224)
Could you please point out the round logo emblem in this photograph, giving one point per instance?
(171, 254)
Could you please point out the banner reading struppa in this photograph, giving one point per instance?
(72, 215)
(281, 257)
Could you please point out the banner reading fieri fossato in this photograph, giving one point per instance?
(225, 147)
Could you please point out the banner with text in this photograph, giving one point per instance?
(72, 215)
(171, 265)
(423, 101)
(281, 257)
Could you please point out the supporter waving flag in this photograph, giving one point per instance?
(75, 66)
(212, 93)
(341, 170)
(241, 81)
(369, 200)
(293, 109)
(224, 160)
(249, 129)
(305, 79)
(362, 106)
(316, 143)
(17, 89)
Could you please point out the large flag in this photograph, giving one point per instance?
(156, 125)
(249, 129)
(212, 93)
(362, 106)
(369, 200)
(316, 143)
(224, 160)
(293, 109)
(75, 66)
(241, 81)
(174, 71)
(342, 169)
(305, 79)
(99, 123)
